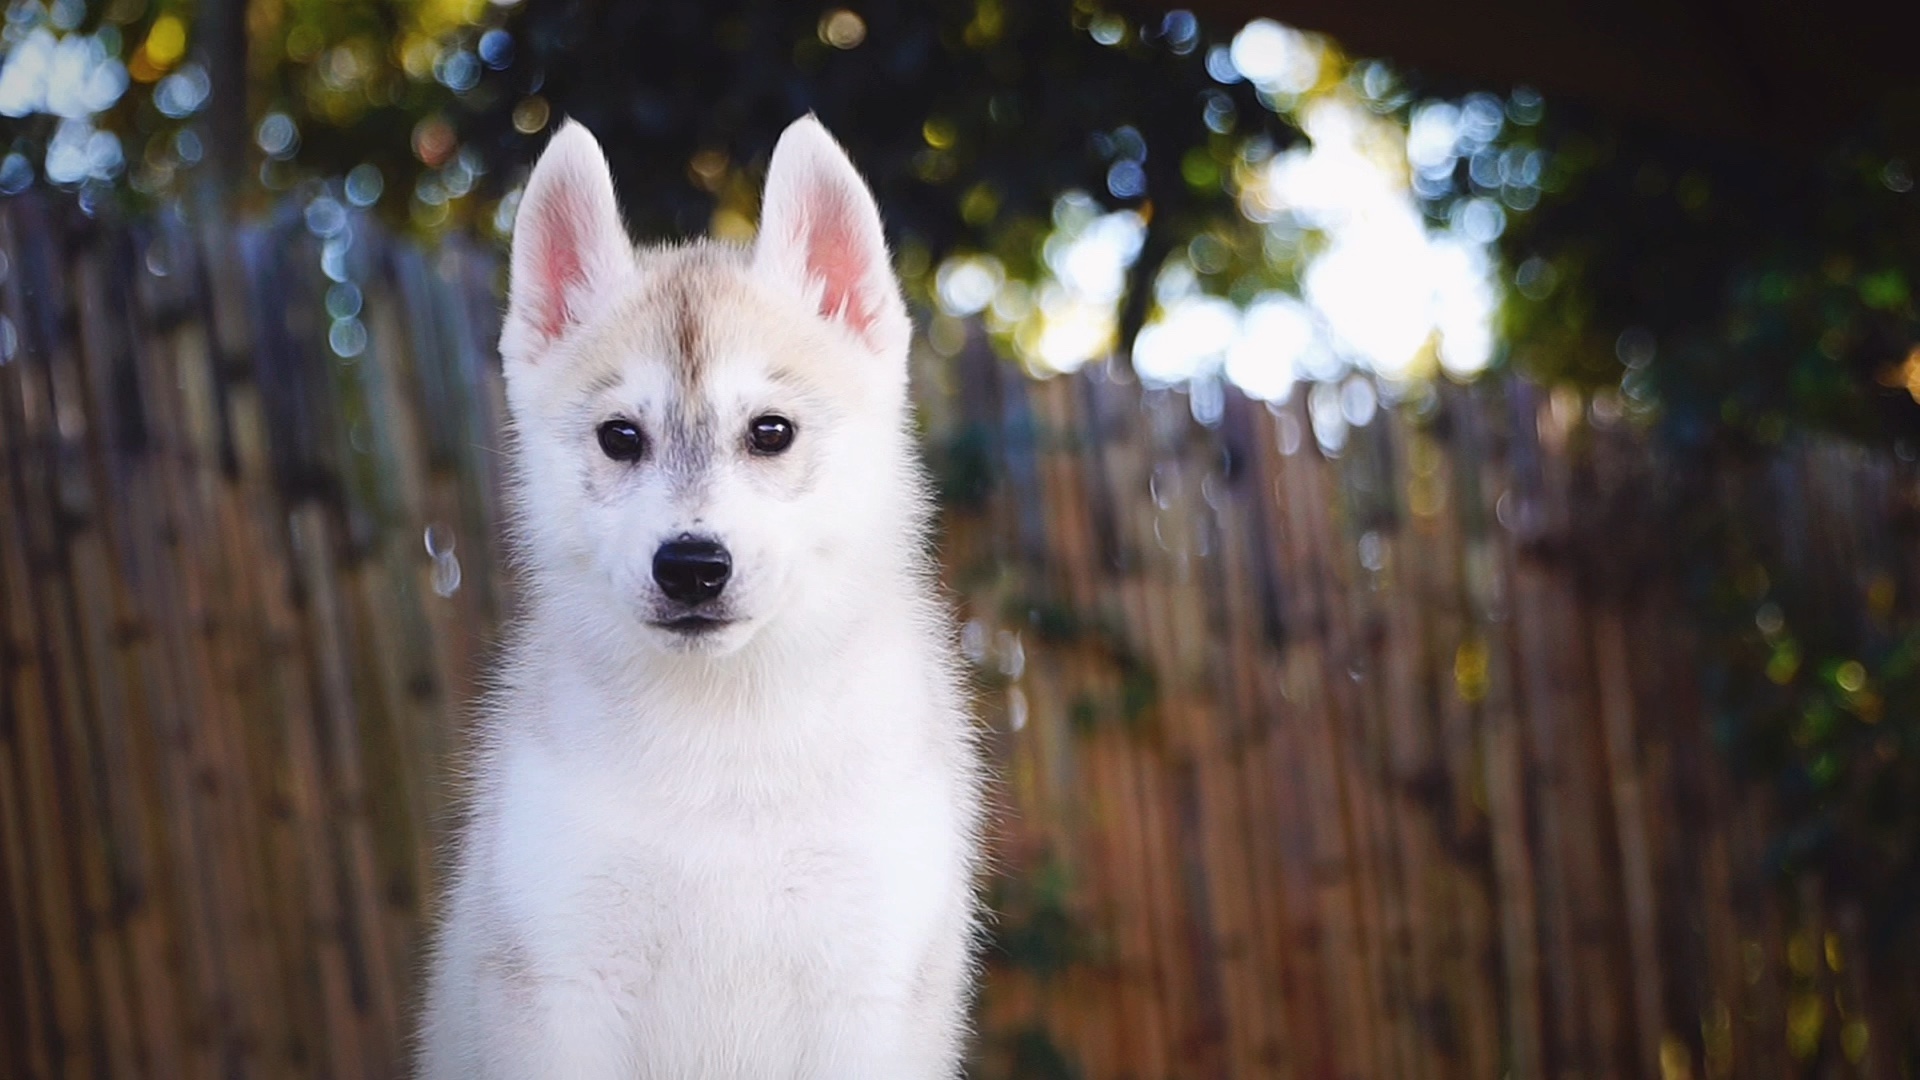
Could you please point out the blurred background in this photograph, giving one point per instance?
(1431, 491)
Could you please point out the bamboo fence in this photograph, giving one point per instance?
(1374, 752)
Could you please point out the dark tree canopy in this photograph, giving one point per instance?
(969, 117)
(1749, 289)
(1744, 286)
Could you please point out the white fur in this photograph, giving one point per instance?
(748, 853)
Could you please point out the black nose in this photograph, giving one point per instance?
(691, 571)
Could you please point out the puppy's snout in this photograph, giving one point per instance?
(690, 570)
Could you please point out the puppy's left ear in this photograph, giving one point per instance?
(820, 236)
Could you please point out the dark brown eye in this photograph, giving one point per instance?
(770, 434)
(621, 440)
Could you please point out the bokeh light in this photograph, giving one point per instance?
(1368, 279)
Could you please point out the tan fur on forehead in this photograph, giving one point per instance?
(691, 306)
(681, 287)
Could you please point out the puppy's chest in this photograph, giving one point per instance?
(655, 898)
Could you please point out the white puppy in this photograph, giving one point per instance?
(727, 802)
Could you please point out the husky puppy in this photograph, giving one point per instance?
(726, 803)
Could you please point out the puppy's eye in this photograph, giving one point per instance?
(621, 440)
(770, 434)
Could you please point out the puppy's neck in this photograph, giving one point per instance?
(606, 686)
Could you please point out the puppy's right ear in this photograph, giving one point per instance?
(568, 242)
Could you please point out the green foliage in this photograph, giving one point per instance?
(963, 468)
(378, 85)
(1817, 697)
(1083, 713)
(291, 91)
(1139, 690)
(1743, 291)
(1036, 1057)
(1035, 931)
(1740, 297)
(971, 117)
(991, 130)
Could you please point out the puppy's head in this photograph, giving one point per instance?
(709, 438)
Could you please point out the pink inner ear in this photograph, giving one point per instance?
(558, 268)
(837, 258)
